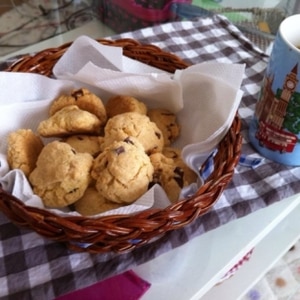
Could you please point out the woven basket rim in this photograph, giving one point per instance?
(122, 233)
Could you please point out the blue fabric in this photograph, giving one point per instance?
(248, 161)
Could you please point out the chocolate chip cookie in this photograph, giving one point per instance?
(23, 149)
(61, 175)
(136, 125)
(93, 203)
(172, 175)
(166, 122)
(91, 144)
(85, 100)
(121, 103)
(69, 120)
(122, 171)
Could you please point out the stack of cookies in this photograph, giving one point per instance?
(100, 156)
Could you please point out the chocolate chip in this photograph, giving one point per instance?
(173, 155)
(156, 179)
(169, 126)
(157, 176)
(158, 134)
(128, 141)
(179, 176)
(77, 94)
(73, 191)
(119, 150)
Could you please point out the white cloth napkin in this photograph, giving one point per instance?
(205, 98)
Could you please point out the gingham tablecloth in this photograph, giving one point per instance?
(32, 267)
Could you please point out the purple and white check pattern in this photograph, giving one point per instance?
(34, 268)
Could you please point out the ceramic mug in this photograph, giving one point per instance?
(275, 128)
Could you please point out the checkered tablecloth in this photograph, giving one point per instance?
(32, 267)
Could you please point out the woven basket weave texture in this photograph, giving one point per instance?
(121, 233)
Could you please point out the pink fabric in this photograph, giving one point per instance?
(126, 286)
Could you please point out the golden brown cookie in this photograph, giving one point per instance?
(85, 100)
(69, 120)
(121, 103)
(171, 175)
(171, 180)
(136, 125)
(166, 121)
(122, 171)
(85, 143)
(61, 175)
(172, 152)
(189, 175)
(23, 150)
(93, 203)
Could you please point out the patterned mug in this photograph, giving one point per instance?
(275, 128)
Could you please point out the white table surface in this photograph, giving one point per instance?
(193, 269)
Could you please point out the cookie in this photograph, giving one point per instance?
(93, 203)
(122, 171)
(121, 103)
(166, 121)
(136, 125)
(171, 175)
(85, 143)
(61, 175)
(23, 150)
(189, 175)
(85, 100)
(69, 120)
(172, 152)
(166, 175)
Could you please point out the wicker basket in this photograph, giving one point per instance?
(120, 233)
